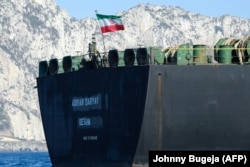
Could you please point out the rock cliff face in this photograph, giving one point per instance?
(35, 30)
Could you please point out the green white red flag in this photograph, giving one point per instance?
(110, 23)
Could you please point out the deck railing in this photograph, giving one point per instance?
(228, 51)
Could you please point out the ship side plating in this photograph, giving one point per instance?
(195, 108)
(134, 110)
(93, 117)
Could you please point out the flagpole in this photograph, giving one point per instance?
(102, 37)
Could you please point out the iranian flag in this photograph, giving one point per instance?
(110, 23)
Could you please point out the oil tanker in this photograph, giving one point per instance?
(111, 110)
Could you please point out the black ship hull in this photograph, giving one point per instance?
(112, 117)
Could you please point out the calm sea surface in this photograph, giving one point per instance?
(24, 159)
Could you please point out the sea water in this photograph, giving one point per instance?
(24, 159)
